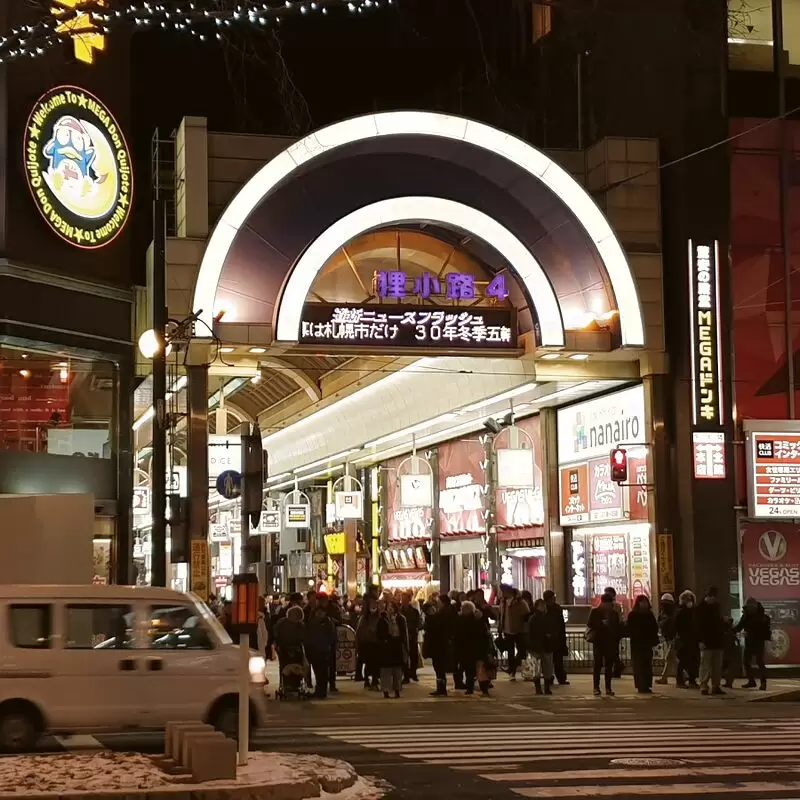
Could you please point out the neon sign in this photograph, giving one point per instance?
(397, 285)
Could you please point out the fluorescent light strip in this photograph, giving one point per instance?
(401, 210)
(148, 414)
(423, 123)
(277, 477)
(327, 460)
(300, 478)
(411, 430)
(515, 392)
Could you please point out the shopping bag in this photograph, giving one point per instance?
(531, 668)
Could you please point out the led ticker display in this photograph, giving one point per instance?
(409, 327)
(78, 167)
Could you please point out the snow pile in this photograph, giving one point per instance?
(105, 772)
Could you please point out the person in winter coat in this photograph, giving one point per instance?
(604, 630)
(392, 633)
(367, 643)
(413, 619)
(320, 639)
(711, 636)
(757, 629)
(514, 613)
(439, 642)
(544, 634)
(618, 665)
(642, 628)
(472, 646)
(560, 650)
(686, 645)
(666, 625)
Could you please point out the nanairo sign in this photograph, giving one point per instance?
(78, 167)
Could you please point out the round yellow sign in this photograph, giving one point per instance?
(78, 167)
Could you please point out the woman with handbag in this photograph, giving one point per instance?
(603, 631)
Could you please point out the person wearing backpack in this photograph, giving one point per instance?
(603, 631)
(757, 629)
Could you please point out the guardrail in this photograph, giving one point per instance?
(580, 659)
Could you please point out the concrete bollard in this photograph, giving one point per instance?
(169, 732)
(190, 739)
(212, 759)
(176, 747)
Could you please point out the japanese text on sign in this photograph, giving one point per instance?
(706, 375)
(397, 285)
(708, 449)
(397, 325)
(775, 474)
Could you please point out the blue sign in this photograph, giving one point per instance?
(229, 484)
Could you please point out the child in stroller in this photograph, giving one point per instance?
(292, 663)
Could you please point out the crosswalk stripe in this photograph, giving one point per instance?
(623, 774)
(695, 789)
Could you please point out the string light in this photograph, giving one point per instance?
(86, 22)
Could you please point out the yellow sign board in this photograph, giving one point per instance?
(335, 544)
(199, 569)
(80, 27)
(78, 167)
(666, 563)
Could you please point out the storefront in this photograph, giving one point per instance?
(609, 534)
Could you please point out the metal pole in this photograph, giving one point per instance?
(244, 698)
(492, 552)
(159, 487)
(244, 517)
(780, 76)
(579, 99)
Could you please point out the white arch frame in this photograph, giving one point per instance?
(400, 210)
(424, 123)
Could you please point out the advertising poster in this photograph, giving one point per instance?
(404, 522)
(462, 479)
(610, 567)
(774, 469)
(666, 563)
(574, 494)
(637, 491)
(771, 575)
(524, 507)
(605, 496)
(640, 563)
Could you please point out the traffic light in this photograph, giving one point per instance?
(254, 469)
(619, 465)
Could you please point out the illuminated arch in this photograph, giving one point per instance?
(400, 210)
(423, 123)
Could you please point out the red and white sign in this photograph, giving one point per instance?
(708, 451)
(605, 496)
(771, 575)
(775, 474)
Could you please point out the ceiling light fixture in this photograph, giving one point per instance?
(550, 356)
(412, 429)
(258, 350)
(515, 392)
(327, 460)
(579, 356)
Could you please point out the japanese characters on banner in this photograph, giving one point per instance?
(519, 499)
(462, 487)
(404, 521)
(708, 454)
(666, 563)
(640, 561)
(771, 574)
(610, 566)
(587, 433)
(578, 577)
(773, 468)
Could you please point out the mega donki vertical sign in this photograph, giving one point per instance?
(771, 575)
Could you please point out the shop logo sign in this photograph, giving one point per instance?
(78, 167)
(772, 546)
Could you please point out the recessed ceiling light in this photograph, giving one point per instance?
(24, 355)
(258, 349)
(579, 356)
(550, 356)
(226, 349)
(26, 373)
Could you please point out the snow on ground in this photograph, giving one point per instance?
(106, 772)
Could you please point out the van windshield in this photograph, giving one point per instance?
(211, 620)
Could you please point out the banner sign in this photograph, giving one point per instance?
(298, 515)
(349, 505)
(410, 327)
(78, 167)
(666, 563)
(416, 491)
(773, 468)
(708, 454)
(199, 569)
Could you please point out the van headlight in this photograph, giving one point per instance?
(257, 668)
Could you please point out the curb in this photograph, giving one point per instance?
(791, 696)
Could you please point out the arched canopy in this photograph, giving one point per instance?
(531, 201)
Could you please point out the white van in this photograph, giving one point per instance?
(111, 658)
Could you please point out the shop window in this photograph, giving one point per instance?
(177, 628)
(99, 627)
(30, 626)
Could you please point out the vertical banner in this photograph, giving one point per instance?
(666, 563)
(199, 575)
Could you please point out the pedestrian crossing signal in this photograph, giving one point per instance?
(619, 465)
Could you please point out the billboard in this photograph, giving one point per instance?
(773, 468)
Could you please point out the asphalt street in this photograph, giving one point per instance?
(516, 745)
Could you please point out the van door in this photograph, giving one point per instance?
(100, 667)
(185, 667)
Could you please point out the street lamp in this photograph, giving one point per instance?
(149, 346)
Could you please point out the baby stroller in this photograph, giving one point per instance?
(293, 669)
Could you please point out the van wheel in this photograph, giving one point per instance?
(20, 728)
(225, 718)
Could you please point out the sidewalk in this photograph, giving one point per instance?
(579, 690)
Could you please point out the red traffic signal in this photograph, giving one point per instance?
(619, 465)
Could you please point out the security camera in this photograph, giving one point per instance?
(492, 425)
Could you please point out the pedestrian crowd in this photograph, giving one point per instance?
(466, 637)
